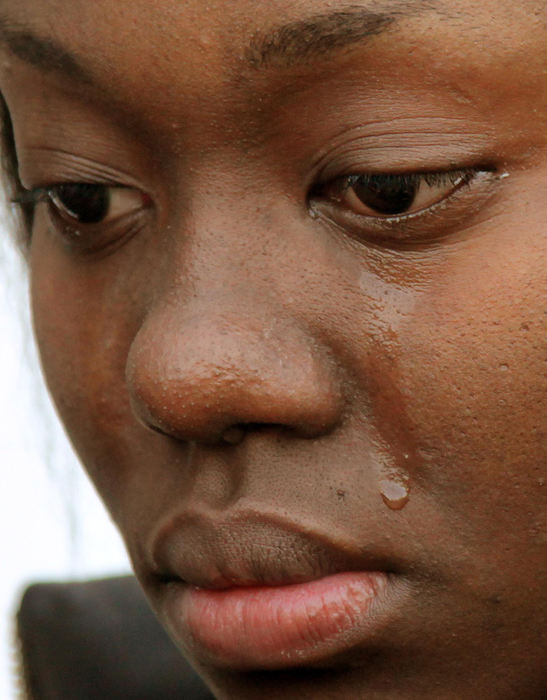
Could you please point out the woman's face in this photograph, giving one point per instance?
(287, 281)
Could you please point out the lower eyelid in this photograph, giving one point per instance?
(93, 239)
(441, 193)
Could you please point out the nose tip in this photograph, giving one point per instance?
(200, 380)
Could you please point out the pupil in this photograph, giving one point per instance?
(386, 194)
(84, 202)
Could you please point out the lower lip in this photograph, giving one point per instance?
(276, 626)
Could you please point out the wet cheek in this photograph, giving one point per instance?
(472, 393)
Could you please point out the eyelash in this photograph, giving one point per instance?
(90, 237)
(471, 187)
(325, 201)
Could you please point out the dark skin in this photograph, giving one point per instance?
(243, 337)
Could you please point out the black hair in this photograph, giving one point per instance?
(10, 180)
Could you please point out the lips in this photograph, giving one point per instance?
(252, 548)
(256, 590)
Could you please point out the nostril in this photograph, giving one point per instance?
(198, 381)
(251, 427)
(236, 433)
(233, 435)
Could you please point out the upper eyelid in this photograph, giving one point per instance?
(36, 195)
(39, 194)
(438, 178)
(371, 148)
(69, 168)
(434, 173)
(32, 196)
(431, 178)
(30, 199)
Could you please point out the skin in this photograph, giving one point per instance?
(352, 363)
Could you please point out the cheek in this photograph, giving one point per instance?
(83, 335)
(473, 387)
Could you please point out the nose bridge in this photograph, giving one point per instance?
(219, 347)
(235, 230)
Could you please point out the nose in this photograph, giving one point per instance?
(195, 374)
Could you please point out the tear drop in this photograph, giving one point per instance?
(395, 493)
(313, 213)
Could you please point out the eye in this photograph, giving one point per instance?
(388, 208)
(387, 195)
(84, 203)
(91, 217)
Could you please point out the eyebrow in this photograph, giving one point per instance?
(289, 44)
(316, 36)
(42, 53)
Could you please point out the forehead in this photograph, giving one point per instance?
(169, 32)
(235, 72)
(153, 52)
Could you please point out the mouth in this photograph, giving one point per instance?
(256, 591)
(268, 627)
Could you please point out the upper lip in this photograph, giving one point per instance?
(248, 547)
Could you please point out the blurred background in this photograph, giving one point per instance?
(53, 526)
